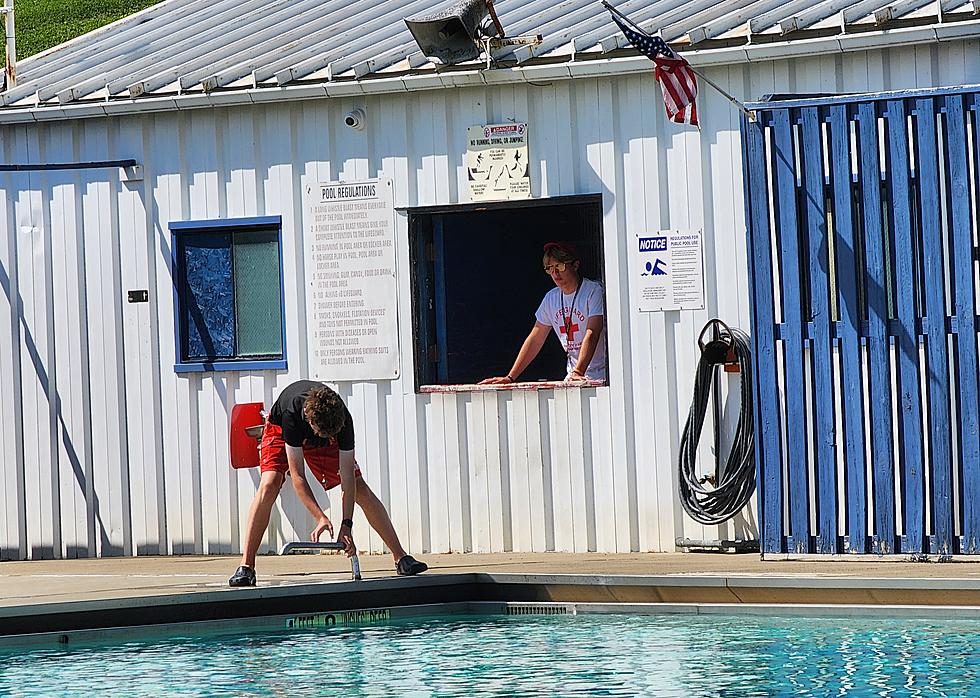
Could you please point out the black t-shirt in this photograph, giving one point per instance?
(288, 414)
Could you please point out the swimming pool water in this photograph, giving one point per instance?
(615, 655)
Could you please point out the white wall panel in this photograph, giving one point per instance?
(514, 407)
(67, 385)
(478, 515)
(539, 472)
(141, 351)
(498, 475)
(608, 163)
(204, 203)
(49, 395)
(112, 452)
(562, 487)
(163, 158)
(108, 415)
(13, 535)
(36, 363)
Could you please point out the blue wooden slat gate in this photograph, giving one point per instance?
(862, 219)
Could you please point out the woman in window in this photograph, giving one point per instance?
(574, 309)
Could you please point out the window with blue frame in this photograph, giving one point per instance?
(228, 294)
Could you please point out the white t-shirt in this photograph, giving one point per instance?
(557, 307)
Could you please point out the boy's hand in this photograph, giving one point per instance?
(322, 524)
(346, 537)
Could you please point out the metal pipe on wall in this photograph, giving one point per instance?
(10, 71)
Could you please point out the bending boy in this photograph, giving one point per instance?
(310, 422)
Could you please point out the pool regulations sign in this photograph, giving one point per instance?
(667, 270)
(350, 259)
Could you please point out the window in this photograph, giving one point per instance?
(228, 294)
(477, 281)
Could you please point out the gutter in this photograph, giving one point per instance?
(753, 53)
(855, 97)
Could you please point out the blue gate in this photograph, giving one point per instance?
(862, 234)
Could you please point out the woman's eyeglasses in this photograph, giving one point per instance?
(552, 268)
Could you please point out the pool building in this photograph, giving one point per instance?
(210, 199)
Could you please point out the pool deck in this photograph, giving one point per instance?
(49, 599)
(48, 596)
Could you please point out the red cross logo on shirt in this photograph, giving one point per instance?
(570, 329)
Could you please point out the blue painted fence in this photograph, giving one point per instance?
(862, 233)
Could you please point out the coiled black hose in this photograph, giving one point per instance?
(736, 482)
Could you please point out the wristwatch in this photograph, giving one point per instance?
(349, 523)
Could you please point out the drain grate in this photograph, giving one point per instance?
(539, 609)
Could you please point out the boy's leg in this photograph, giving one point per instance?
(325, 466)
(258, 514)
(378, 517)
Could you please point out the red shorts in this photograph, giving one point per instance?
(324, 461)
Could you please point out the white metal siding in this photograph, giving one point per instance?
(105, 450)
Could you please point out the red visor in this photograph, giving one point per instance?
(566, 247)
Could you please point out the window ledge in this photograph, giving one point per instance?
(531, 385)
(205, 367)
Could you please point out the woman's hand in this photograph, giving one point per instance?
(575, 376)
(498, 380)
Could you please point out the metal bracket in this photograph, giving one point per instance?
(301, 547)
(737, 545)
(132, 173)
(494, 42)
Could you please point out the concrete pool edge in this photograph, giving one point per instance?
(618, 591)
(362, 618)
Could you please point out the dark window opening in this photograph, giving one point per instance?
(477, 279)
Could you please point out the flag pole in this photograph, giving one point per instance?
(738, 105)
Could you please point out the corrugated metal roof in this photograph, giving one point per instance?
(207, 46)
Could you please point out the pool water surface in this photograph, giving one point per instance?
(613, 655)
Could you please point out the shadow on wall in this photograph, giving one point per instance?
(92, 500)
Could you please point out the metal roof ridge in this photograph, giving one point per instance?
(599, 66)
(96, 35)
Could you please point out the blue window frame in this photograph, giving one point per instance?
(228, 294)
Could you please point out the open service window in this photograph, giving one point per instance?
(478, 278)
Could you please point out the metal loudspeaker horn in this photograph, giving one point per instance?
(457, 33)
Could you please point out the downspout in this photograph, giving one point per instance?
(10, 72)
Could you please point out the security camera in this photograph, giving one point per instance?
(355, 119)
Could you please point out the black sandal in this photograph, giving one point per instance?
(243, 577)
(408, 566)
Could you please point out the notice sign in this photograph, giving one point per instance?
(667, 271)
(351, 256)
(496, 162)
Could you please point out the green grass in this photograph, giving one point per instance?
(42, 24)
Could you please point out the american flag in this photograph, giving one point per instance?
(676, 78)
